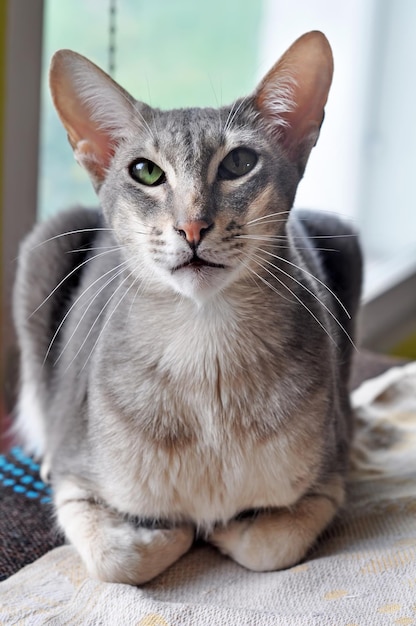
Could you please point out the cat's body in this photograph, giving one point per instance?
(193, 366)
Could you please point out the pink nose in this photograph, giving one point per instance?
(193, 231)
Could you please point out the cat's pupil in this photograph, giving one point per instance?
(236, 158)
(146, 172)
(237, 163)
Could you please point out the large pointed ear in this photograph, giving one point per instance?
(292, 96)
(93, 108)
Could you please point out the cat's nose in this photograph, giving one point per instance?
(194, 231)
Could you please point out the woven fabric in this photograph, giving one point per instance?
(362, 572)
(27, 528)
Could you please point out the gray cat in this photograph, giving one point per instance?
(186, 349)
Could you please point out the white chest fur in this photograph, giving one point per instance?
(206, 485)
(198, 427)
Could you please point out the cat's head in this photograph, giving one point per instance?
(192, 193)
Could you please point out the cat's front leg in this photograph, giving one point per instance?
(112, 548)
(280, 538)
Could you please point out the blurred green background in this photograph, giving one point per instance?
(168, 54)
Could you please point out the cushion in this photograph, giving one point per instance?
(362, 571)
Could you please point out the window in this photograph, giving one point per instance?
(168, 54)
(188, 53)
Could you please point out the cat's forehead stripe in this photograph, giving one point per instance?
(186, 139)
(194, 127)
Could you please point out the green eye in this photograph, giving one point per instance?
(146, 172)
(237, 163)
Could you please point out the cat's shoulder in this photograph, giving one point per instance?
(61, 229)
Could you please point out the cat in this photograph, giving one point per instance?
(186, 348)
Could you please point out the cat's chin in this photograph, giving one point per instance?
(200, 282)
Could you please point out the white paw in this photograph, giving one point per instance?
(115, 550)
(275, 540)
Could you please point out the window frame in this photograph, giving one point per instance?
(20, 141)
(386, 317)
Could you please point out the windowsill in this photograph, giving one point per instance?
(389, 302)
(384, 273)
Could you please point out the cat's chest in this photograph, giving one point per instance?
(203, 460)
(200, 423)
(206, 483)
(192, 374)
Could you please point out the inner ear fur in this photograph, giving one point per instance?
(292, 96)
(93, 108)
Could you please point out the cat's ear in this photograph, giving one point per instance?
(292, 96)
(94, 110)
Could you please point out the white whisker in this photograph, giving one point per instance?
(265, 217)
(295, 211)
(94, 248)
(72, 232)
(327, 236)
(144, 123)
(276, 221)
(263, 280)
(149, 102)
(139, 288)
(284, 237)
(280, 247)
(318, 280)
(225, 128)
(233, 113)
(294, 295)
(133, 104)
(109, 317)
(279, 269)
(114, 269)
(61, 282)
(93, 325)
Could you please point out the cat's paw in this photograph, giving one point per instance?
(277, 539)
(113, 549)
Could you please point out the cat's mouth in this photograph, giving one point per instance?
(197, 263)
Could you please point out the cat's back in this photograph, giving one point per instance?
(51, 266)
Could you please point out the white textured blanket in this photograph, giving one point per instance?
(363, 572)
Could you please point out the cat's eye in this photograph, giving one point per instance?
(237, 163)
(147, 173)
